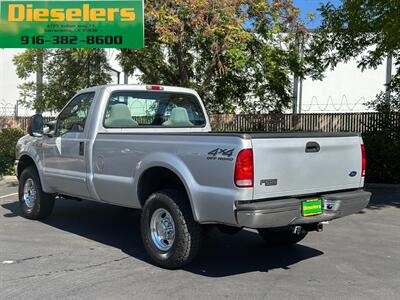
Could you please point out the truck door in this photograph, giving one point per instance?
(64, 153)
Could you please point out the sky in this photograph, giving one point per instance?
(306, 7)
(311, 6)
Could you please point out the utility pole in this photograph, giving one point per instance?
(16, 110)
(389, 62)
(295, 92)
(300, 91)
(126, 77)
(88, 71)
(297, 81)
(39, 82)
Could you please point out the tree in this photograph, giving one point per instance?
(236, 54)
(382, 141)
(367, 30)
(364, 29)
(65, 71)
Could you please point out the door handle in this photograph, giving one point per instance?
(81, 148)
(312, 147)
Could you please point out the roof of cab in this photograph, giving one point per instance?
(137, 87)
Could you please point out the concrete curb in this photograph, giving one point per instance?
(8, 179)
(382, 186)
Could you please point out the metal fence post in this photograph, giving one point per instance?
(389, 62)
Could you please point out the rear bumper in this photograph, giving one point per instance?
(286, 212)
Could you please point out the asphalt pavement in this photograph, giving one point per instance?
(87, 250)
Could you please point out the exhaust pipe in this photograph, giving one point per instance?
(297, 230)
(318, 227)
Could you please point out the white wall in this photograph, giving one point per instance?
(9, 80)
(345, 89)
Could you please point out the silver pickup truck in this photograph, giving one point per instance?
(151, 148)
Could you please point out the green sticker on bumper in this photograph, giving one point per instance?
(312, 207)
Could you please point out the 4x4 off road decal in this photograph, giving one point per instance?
(221, 154)
(71, 24)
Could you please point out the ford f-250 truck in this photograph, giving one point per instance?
(151, 148)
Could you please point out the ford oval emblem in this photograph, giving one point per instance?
(353, 174)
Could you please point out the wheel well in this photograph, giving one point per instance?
(156, 179)
(24, 162)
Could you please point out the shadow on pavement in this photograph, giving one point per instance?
(12, 184)
(224, 255)
(221, 255)
(8, 182)
(384, 197)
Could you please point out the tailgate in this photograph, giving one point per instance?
(294, 166)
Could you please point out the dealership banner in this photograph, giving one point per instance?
(71, 24)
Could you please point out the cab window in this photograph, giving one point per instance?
(73, 117)
(130, 109)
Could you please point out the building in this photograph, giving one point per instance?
(345, 89)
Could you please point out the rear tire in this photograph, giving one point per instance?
(34, 203)
(281, 237)
(174, 240)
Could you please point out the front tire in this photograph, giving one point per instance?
(283, 237)
(34, 203)
(170, 234)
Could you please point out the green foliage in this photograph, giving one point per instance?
(382, 104)
(205, 45)
(382, 142)
(8, 139)
(383, 156)
(364, 29)
(65, 72)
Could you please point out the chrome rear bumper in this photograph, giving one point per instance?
(286, 212)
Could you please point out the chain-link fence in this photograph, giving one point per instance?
(8, 113)
(15, 116)
(7, 109)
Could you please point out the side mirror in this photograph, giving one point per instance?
(36, 126)
(49, 128)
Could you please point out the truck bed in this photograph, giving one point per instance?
(282, 164)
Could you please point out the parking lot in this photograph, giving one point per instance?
(87, 250)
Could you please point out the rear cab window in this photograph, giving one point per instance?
(133, 109)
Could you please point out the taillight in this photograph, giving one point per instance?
(244, 169)
(363, 161)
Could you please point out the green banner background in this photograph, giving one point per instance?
(73, 34)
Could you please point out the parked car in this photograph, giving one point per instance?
(152, 148)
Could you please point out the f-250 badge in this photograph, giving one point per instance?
(221, 154)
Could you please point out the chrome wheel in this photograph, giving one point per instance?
(30, 193)
(162, 228)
